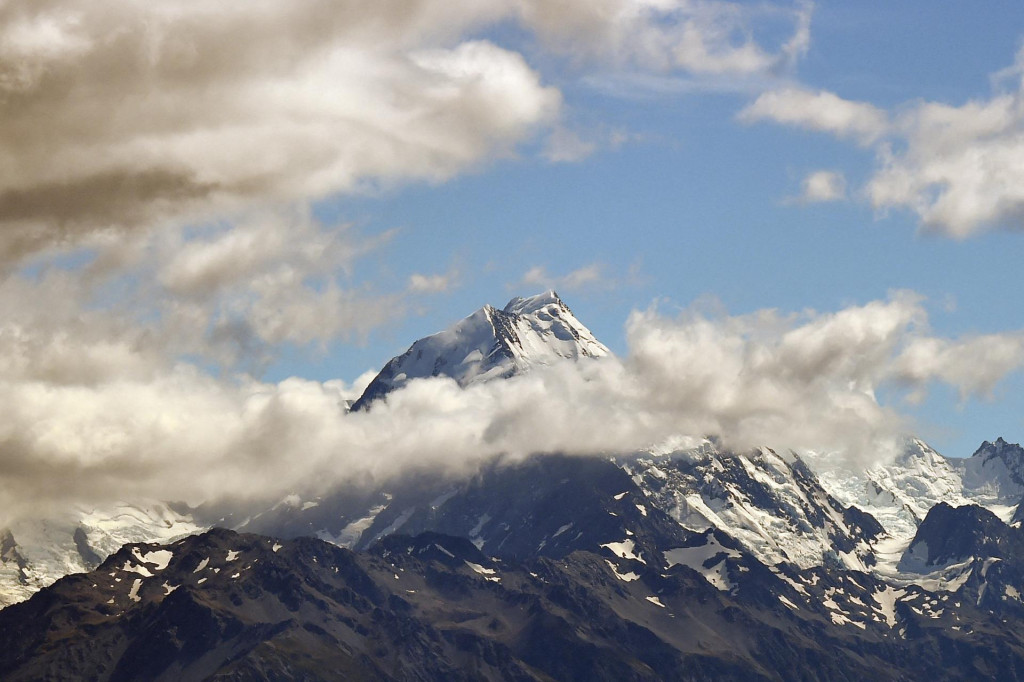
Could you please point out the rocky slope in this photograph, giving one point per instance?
(433, 607)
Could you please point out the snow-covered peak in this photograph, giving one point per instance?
(533, 304)
(1000, 448)
(994, 474)
(770, 502)
(492, 343)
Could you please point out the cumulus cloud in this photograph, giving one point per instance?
(229, 294)
(803, 381)
(118, 113)
(959, 168)
(821, 186)
(820, 111)
(974, 365)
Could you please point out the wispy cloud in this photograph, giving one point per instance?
(589, 277)
(821, 186)
(821, 111)
(434, 284)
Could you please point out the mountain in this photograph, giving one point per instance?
(489, 344)
(34, 552)
(231, 606)
(771, 502)
(776, 508)
(994, 474)
(950, 535)
(971, 553)
(900, 493)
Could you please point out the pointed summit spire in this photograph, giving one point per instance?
(491, 344)
(531, 304)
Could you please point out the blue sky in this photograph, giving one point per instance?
(796, 222)
(696, 204)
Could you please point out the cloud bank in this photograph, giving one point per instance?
(118, 113)
(789, 381)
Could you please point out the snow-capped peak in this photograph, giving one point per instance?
(533, 304)
(492, 343)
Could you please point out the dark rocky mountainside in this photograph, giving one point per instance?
(231, 606)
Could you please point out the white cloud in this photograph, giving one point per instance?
(707, 37)
(821, 186)
(959, 168)
(566, 146)
(974, 365)
(433, 284)
(118, 113)
(820, 111)
(802, 381)
(594, 276)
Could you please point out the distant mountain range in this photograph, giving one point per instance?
(695, 564)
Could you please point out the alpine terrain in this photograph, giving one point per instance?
(690, 564)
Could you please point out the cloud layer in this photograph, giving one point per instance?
(800, 381)
(821, 111)
(119, 113)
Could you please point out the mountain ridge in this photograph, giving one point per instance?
(490, 344)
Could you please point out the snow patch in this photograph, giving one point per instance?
(480, 569)
(133, 594)
(624, 577)
(141, 570)
(624, 550)
(562, 529)
(160, 558)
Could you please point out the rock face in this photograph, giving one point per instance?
(491, 344)
(230, 606)
(950, 535)
(994, 474)
(772, 503)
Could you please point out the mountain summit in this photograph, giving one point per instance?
(491, 343)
